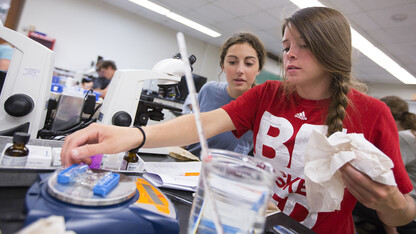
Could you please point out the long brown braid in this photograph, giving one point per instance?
(339, 102)
(326, 32)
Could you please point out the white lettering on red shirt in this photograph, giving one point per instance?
(289, 188)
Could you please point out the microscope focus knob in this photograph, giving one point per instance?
(19, 105)
(121, 118)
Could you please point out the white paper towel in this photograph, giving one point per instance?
(324, 156)
(52, 224)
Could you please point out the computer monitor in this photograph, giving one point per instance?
(183, 88)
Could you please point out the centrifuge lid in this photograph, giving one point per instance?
(125, 189)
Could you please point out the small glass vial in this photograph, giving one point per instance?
(130, 161)
(16, 155)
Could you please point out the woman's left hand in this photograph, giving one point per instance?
(370, 193)
(387, 200)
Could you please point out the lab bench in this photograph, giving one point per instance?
(14, 184)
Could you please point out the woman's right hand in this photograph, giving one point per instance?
(98, 139)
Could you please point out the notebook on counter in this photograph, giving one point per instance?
(173, 175)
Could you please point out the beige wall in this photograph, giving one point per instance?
(84, 29)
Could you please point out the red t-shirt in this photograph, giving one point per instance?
(281, 129)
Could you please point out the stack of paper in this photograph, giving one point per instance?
(174, 175)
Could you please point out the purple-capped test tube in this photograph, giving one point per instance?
(96, 161)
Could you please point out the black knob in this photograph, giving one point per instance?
(121, 118)
(143, 118)
(19, 105)
(192, 59)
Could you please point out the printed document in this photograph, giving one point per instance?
(174, 175)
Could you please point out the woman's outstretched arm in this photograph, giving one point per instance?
(99, 139)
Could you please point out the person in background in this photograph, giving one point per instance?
(406, 124)
(366, 220)
(6, 53)
(317, 93)
(87, 83)
(241, 59)
(187, 105)
(105, 70)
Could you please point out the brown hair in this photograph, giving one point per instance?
(400, 111)
(326, 32)
(106, 64)
(240, 38)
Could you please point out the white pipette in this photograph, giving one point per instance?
(203, 141)
(191, 88)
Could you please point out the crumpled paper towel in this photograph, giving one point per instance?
(324, 156)
(52, 224)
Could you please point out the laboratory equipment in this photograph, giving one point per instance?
(25, 92)
(17, 154)
(130, 160)
(203, 141)
(236, 189)
(65, 113)
(68, 112)
(151, 109)
(133, 206)
(124, 91)
(183, 87)
(192, 92)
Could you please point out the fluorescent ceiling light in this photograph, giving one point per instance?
(379, 57)
(192, 24)
(367, 48)
(309, 3)
(151, 6)
(178, 18)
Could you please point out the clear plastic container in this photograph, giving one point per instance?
(112, 161)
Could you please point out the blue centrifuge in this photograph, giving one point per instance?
(133, 206)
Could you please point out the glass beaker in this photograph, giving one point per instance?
(234, 196)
